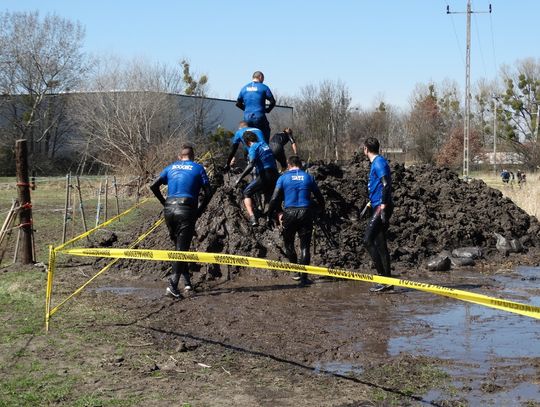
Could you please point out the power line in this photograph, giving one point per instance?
(493, 45)
(480, 46)
(457, 40)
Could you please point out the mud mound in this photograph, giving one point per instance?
(434, 211)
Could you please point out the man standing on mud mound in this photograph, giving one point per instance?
(277, 144)
(238, 138)
(252, 100)
(261, 158)
(295, 188)
(185, 178)
(380, 197)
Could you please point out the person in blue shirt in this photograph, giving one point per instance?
(261, 158)
(184, 178)
(505, 176)
(252, 100)
(238, 138)
(296, 188)
(380, 198)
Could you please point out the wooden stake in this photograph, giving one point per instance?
(25, 212)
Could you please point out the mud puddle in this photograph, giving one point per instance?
(492, 355)
(140, 291)
(495, 351)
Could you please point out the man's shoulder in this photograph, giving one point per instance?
(380, 161)
(239, 133)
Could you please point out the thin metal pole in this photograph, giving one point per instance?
(64, 228)
(98, 208)
(106, 198)
(81, 205)
(138, 188)
(116, 195)
(467, 96)
(495, 136)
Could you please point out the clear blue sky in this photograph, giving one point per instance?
(377, 47)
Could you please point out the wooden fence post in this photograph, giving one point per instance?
(25, 212)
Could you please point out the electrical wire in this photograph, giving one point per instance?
(461, 53)
(480, 45)
(493, 45)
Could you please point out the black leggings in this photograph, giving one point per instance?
(265, 182)
(180, 220)
(375, 241)
(297, 220)
(279, 154)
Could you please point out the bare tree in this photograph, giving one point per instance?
(130, 118)
(384, 122)
(322, 113)
(40, 59)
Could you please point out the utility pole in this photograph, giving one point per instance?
(495, 135)
(467, 120)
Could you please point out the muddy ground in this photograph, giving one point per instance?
(254, 338)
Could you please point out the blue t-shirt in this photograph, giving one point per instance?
(297, 186)
(379, 168)
(254, 96)
(184, 179)
(261, 156)
(240, 133)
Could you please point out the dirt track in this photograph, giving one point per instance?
(254, 338)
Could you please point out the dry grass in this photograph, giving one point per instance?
(525, 196)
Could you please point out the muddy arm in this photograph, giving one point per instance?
(387, 190)
(155, 188)
(207, 192)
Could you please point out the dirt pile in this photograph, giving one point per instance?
(434, 211)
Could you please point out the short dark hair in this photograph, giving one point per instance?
(372, 145)
(294, 161)
(187, 150)
(249, 136)
(258, 75)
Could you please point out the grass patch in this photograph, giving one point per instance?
(407, 375)
(524, 196)
(53, 369)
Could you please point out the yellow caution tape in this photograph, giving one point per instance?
(104, 269)
(244, 261)
(101, 225)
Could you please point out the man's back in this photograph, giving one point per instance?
(281, 139)
(261, 155)
(184, 179)
(254, 96)
(297, 186)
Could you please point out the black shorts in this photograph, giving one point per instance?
(279, 154)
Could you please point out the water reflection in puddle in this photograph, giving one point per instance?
(142, 292)
(494, 347)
